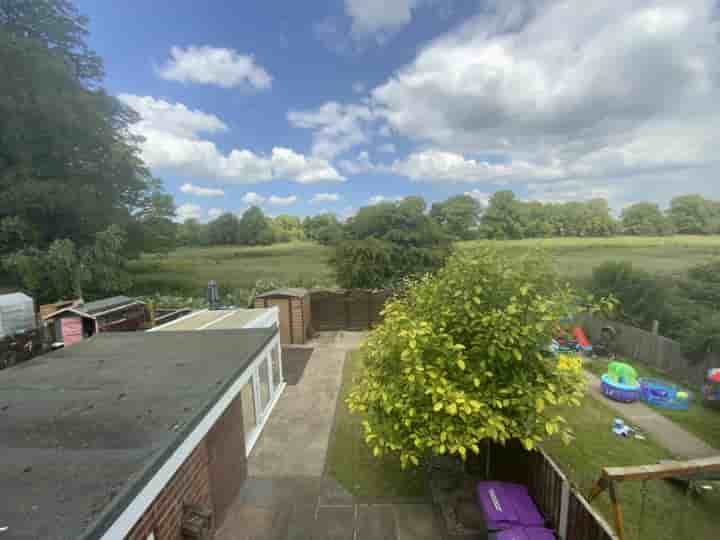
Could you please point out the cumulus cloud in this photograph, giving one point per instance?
(601, 93)
(276, 200)
(371, 16)
(222, 67)
(188, 211)
(172, 140)
(214, 213)
(325, 197)
(377, 199)
(360, 164)
(200, 191)
(336, 127)
(253, 199)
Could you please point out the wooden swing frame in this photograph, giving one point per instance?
(612, 475)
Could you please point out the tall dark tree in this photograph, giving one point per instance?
(459, 216)
(645, 219)
(254, 228)
(224, 230)
(505, 217)
(69, 167)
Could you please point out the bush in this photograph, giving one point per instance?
(458, 359)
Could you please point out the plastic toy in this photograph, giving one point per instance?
(582, 341)
(711, 388)
(620, 383)
(664, 394)
(506, 505)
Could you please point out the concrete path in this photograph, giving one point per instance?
(286, 496)
(678, 441)
(295, 439)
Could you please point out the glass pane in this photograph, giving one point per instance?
(275, 355)
(247, 397)
(264, 385)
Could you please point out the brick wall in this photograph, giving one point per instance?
(191, 484)
(211, 477)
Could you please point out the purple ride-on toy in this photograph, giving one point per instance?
(523, 533)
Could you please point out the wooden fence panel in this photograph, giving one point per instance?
(353, 309)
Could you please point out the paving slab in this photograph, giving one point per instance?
(680, 442)
(376, 522)
(295, 439)
(416, 522)
(334, 523)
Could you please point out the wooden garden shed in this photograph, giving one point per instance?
(295, 314)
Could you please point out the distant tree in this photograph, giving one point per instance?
(323, 228)
(645, 219)
(254, 228)
(693, 214)
(192, 233)
(505, 217)
(224, 230)
(459, 216)
(288, 228)
(641, 296)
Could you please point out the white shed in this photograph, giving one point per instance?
(17, 314)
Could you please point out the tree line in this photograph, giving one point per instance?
(75, 196)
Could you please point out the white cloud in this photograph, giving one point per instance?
(480, 196)
(359, 165)
(172, 141)
(282, 201)
(377, 199)
(200, 191)
(602, 94)
(370, 16)
(226, 68)
(337, 127)
(325, 197)
(388, 148)
(214, 213)
(253, 198)
(436, 165)
(188, 211)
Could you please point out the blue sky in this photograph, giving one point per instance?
(326, 105)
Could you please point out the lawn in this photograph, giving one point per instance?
(576, 257)
(669, 513)
(703, 422)
(236, 269)
(351, 462)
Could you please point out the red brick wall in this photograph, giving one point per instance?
(211, 476)
(191, 484)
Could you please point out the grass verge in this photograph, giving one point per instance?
(351, 462)
(698, 419)
(669, 513)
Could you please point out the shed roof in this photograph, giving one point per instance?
(105, 304)
(83, 429)
(290, 291)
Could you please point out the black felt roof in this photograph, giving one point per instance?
(83, 428)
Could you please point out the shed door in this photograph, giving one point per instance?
(285, 322)
(71, 329)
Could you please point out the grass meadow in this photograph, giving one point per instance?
(186, 271)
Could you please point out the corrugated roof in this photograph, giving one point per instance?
(290, 291)
(83, 429)
(106, 304)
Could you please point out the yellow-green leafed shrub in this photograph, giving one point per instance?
(460, 359)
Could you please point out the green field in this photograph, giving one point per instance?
(236, 269)
(186, 271)
(576, 257)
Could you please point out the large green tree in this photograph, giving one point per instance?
(69, 167)
(323, 228)
(254, 228)
(645, 219)
(505, 217)
(459, 216)
(224, 229)
(459, 359)
(694, 214)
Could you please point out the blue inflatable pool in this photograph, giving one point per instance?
(620, 392)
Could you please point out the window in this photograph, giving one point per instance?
(264, 383)
(275, 355)
(247, 397)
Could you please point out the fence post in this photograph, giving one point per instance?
(564, 506)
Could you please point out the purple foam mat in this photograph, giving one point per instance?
(523, 533)
(507, 505)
